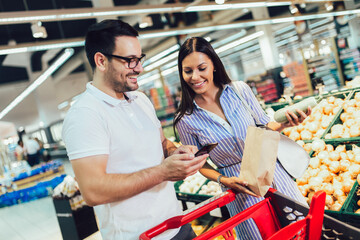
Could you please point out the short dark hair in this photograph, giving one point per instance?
(197, 44)
(101, 37)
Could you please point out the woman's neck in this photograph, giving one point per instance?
(211, 95)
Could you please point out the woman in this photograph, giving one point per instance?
(211, 111)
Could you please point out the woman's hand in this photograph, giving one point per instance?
(236, 184)
(293, 119)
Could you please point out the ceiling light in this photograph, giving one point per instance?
(220, 1)
(293, 9)
(59, 61)
(329, 6)
(240, 41)
(146, 21)
(38, 31)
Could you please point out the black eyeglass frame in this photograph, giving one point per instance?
(129, 60)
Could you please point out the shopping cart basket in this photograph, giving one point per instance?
(277, 217)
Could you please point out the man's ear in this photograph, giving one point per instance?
(100, 61)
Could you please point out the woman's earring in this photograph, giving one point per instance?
(215, 70)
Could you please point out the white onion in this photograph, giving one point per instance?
(318, 145)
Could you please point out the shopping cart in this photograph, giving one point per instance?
(277, 217)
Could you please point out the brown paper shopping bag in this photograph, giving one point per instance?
(259, 159)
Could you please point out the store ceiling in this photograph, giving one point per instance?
(17, 70)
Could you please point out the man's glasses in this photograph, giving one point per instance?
(132, 62)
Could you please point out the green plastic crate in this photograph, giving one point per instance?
(350, 206)
(190, 197)
(338, 214)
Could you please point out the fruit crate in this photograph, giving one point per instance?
(350, 206)
(340, 214)
(349, 95)
(190, 197)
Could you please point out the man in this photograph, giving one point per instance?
(32, 151)
(116, 144)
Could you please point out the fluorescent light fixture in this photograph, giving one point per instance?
(38, 30)
(321, 22)
(220, 1)
(169, 71)
(217, 7)
(59, 61)
(170, 64)
(286, 41)
(240, 41)
(41, 47)
(285, 29)
(153, 34)
(162, 54)
(149, 79)
(160, 62)
(229, 39)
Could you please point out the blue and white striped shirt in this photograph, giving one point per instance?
(201, 128)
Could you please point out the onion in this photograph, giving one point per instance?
(334, 156)
(329, 147)
(346, 133)
(331, 99)
(354, 170)
(349, 110)
(306, 135)
(294, 135)
(312, 127)
(357, 159)
(343, 117)
(336, 110)
(329, 189)
(287, 131)
(313, 172)
(349, 122)
(356, 149)
(325, 176)
(344, 165)
(314, 162)
(325, 123)
(346, 186)
(338, 193)
(341, 200)
(355, 130)
(340, 148)
(323, 155)
(334, 167)
(300, 142)
(328, 136)
(307, 147)
(329, 201)
(336, 206)
(350, 155)
(328, 109)
(318, 145)
(343, 156)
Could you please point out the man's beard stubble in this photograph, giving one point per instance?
(120, 86)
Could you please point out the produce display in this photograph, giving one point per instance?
(349, 124)
(211, 188)
(192, 183)
(314, 126)
(333, 170)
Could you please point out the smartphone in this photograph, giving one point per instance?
(206, 149)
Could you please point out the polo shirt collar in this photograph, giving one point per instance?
(107, 98)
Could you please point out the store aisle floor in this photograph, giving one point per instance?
(35, 220)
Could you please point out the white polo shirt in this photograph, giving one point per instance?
(128, 132)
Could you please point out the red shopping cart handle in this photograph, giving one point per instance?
(191, 214)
